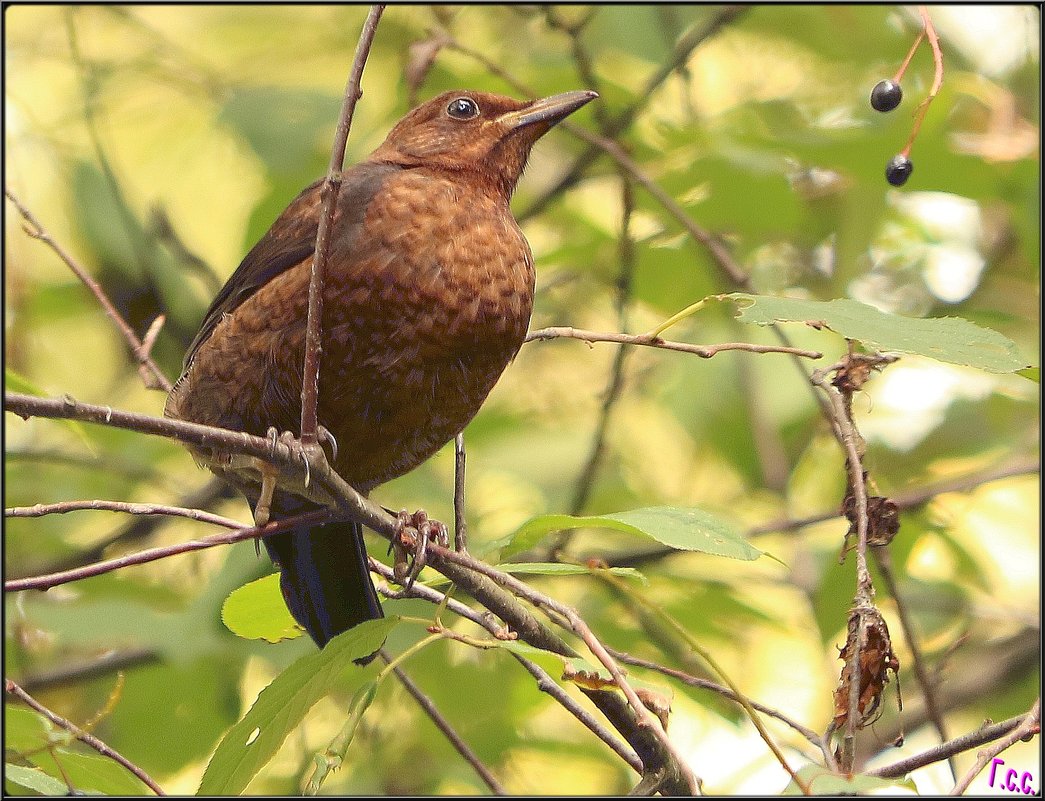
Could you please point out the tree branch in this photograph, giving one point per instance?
(11, 688)
(150, 372)
(329, 194)
(1029, 726)
(703, 351)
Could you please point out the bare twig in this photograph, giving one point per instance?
(446, 728)
(725, 692)
(1029, 726)
(984, 734)
(329, 194)
(685, 46)
(150, 372)
(718, 252)
(64, 507)
(460, 524)
(615, 384)
(73, 672)
(934, 43)
(88, 739)
(45, 582)
(703, 351)
(138, 528)
(912, 499)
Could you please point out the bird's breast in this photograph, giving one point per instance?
(451, 256)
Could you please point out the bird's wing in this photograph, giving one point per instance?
(292, 239)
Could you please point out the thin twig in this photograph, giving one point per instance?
(915, 498)
(980, 736)
(88, 739)
(718, 252)
(138, 528)
(1029, 726)
(151, 374)
(703, 351)
(46, 582)
(460, 524)
(447, 729)
(64, 507)
(329, 194)
(615, 384)
(705, 684)
(74, 672)
(934, 43)
(685, 46)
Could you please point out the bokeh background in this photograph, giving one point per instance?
(158, 143)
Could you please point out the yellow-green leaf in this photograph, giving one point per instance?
(257, 611)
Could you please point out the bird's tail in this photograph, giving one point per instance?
(323, 571)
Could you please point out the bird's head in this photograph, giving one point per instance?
(484, 135)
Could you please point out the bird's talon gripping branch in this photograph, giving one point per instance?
(325, 437)
(414, 532)
(269, 474)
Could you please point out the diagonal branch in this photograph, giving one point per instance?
(1028, 727)
(151, 374)
(11, 688)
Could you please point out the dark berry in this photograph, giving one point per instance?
(898, 170)
(886, 96)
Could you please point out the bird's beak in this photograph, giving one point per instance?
(548, 109)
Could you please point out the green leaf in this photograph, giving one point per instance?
(251, 743)
(91, 773)
(556, 569)
(947, 339)
(34, 779)
(822, 781)
(1031, 373)
(685, 529)
(25, 730)
(257, 611)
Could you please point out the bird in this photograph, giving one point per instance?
(429, 287)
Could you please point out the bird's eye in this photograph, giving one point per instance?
(463, 108)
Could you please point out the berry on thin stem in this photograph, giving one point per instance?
(898, 170)
(886, 95)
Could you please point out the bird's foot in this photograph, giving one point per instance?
(326, 438)
(413, 534)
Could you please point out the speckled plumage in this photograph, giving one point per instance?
(428, 293)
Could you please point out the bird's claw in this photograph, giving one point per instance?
(324, 436)
(413, 533)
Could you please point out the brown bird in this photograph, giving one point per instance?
(429, 287)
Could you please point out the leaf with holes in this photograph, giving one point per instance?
(251, 743)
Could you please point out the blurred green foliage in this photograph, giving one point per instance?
(157, 143)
